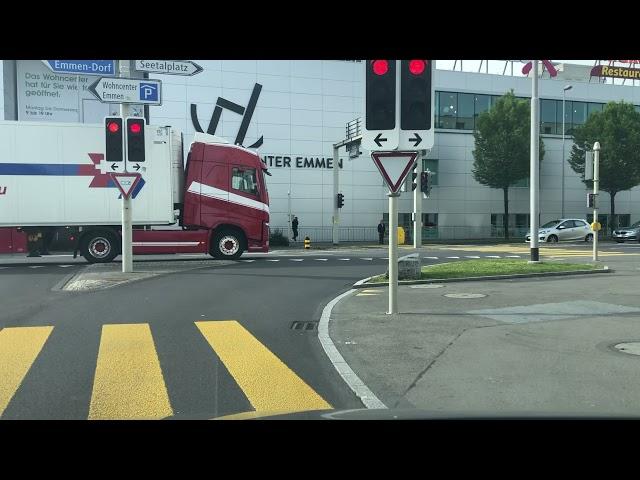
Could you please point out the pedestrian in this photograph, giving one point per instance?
(294, 227)
(381, 229)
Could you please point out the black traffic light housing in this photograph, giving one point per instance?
(425, 184)
(340, 200)
(135, 140)
(414, 177)
(114, 135)
(591, 200)
(380, 94)
(415, 94)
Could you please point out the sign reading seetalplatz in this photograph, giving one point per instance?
(615, 72)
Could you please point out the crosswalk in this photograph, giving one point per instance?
(129, 383)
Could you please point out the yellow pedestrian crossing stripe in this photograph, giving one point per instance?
(19, 348)
(129, 383)
(267, 382)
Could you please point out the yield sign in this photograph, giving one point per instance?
(126, 182)
(394, 166)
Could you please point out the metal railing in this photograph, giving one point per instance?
(354, 128)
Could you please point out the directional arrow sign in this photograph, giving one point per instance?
(126, 182)
(394, 166)
(417, 139)
(137, 167)
(380, 140)
(169, 67)
(82, 67)
(127, 90)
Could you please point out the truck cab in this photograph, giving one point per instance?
(225, 192)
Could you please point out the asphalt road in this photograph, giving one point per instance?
(199, 343)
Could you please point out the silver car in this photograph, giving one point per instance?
(627, 234)
(565, 229)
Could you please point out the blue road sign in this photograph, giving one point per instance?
(149, 91)
(104, 68)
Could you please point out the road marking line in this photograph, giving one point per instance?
(296, 259)
(2, 268)
(366, 294)
(19, 347)
(512, 256)
(471, 256)
(321, 259)
(247, 261)
(37, 266)
(65, 266)
(272, 260)
(128, 381)
(492, 256)
(368, 290)
(368, 258)
(453, 257)
(265, 380)
(344, 259)
(432, 258)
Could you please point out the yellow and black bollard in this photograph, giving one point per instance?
(307, 243)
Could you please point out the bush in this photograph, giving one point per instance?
(278, 239)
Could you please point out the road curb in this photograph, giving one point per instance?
(362, 283)
(366, 396)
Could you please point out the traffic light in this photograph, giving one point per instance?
(425, 183)
(113, 151)
(340, 200)
(414, 177)
(415, 94)
(135, 140)
(591, 200)
(380, 103)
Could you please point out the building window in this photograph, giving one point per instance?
(594, 107)
(548, 117)
(579, 112)
(430, 220)
(518, 224)
(244, 180)
(448, 110)
(481, 105)
(431, 164)
(465, 111)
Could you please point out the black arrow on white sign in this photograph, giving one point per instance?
(137, 167)
(113, 166)
(378, 140)
(416, 139)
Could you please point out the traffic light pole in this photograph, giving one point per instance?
(127, 229)
(417, 204)
(336, 188)
(393, 253)
(534, 168)
(596, 182)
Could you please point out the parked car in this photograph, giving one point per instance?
(565, 229)
(627, 234)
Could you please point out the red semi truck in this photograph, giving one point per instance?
(217, 202)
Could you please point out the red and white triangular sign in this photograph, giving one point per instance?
(126, 182)
(394, 166)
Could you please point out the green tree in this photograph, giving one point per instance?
(617, 128)
(502, 146)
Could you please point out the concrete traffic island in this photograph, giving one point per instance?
(543, 345)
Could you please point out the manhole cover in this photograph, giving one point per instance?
(431, 285)
(464, 295)
(632, 348)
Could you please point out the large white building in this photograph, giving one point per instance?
(292, 112)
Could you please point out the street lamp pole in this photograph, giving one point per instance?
(564, 90)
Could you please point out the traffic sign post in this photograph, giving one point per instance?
(82, 67)
(124, 90)
(169, 67)
(596, 182)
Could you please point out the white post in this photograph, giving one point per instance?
(393, 252)
(596, 181)
(563, 130)
(534, 167)
(336, 189)
(127, 229)
(417, 205)
(289, 216)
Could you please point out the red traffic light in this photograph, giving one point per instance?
(380, 67)
(417, 67)
(113, 127)
(135, 128)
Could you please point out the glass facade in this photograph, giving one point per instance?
(431, 164)
(459, 111)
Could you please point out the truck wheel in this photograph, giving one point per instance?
(100, 246)
(227, 244)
